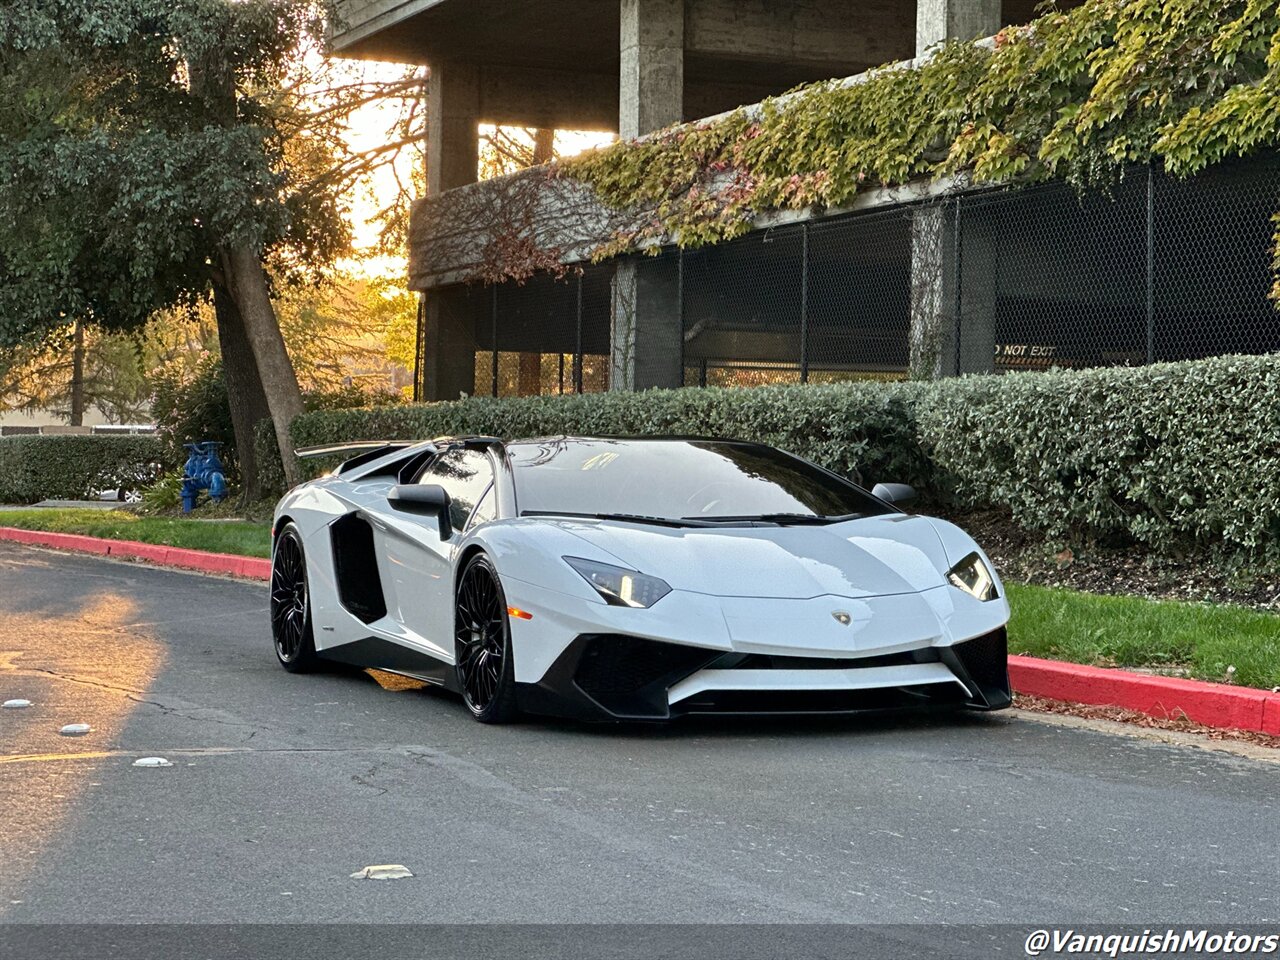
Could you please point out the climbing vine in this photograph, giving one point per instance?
(1076, 95)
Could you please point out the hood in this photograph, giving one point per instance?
(870, 557)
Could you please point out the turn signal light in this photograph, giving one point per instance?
(519, 614)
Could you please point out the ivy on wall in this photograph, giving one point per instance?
(1075, 95)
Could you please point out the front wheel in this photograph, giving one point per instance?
(291, 604)
(486, 674)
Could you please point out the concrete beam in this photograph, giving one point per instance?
(939, 20)
(651, 88)
(559, 99)
(357, 20)
(846, 36)
(771, 41)
(453, 127)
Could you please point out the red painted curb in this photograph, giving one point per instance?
(250, 568)
(1212, 704)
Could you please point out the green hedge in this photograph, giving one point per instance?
(1181, 456)
(861, 430)
(38, 467)
(1177, 456)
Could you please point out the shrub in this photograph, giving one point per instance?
(1176, 456)
(189, 407)
(270, 469)
(165, 493)
(861, 430)
(34, 468)
(349, 396)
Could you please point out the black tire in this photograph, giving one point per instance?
(482, 644)
(291, 631)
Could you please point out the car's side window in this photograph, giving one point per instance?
(465, 476)
(485, 510)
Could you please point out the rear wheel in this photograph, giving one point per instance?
(291, 604)
(486, 674)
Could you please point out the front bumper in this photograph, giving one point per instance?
(698, 653)
(620, 677)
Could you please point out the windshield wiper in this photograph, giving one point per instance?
(623, 517)
(782, 519)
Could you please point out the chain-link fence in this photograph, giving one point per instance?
(1160, 269)
(1013, 279)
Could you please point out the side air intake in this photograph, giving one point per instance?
(355, 567)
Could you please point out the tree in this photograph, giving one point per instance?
(117, 370)
(73, 370)
(352, 329)
(161, 154)
(144, 148)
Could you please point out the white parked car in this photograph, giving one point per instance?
(121, 495)
(636, 579)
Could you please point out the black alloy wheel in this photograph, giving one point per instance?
(483, 644)
(290, 604)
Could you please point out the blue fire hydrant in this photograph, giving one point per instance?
(203, 471)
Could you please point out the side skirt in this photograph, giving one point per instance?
(384, 655)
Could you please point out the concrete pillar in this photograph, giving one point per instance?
(645, 335)
(453, 126)
(951, 335)
(652, 66)
(645, 330)
(938, 20)
(932, 292)
(934, 350)
(449, 344)
(976, 351)
(453, 160)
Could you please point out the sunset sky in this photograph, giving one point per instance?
(369, 127)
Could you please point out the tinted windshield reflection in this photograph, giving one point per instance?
(698, 479)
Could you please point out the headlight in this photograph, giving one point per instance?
(972, 576)
(618, 585)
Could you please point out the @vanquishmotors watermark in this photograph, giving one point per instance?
(1070, 942)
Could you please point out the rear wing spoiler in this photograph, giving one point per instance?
(361, 452)
(361, 446)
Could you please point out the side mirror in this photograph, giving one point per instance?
(895, 493)
(427, 499)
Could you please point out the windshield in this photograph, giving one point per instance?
(700, 480)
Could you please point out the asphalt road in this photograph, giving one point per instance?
(282, 786)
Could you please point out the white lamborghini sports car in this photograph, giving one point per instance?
(633, 579)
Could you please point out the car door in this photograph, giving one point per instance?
(420, 563)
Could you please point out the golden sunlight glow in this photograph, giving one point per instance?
(70, 675)
(370, 126)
